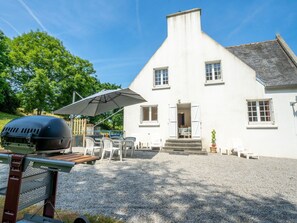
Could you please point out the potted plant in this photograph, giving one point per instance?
(213, 148)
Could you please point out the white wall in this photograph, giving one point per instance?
(223, 106)
(282, 141)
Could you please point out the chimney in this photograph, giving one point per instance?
(184, 24)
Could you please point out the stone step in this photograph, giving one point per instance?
(172, 144)
(184, 152)
(184, 146)
(183, 140)
(181, 148)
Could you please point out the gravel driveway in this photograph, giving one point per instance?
(159, 187)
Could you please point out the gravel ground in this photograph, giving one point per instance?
(159, 187)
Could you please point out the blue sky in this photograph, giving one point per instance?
(119, 36)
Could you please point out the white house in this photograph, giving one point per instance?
(194, 84)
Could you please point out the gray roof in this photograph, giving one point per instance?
(274, 62)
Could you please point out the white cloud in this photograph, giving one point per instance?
(11, 26)
(251, 16)
(138, 17)
(32, 14)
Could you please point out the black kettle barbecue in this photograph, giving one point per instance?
(36, 134)
(33, 175)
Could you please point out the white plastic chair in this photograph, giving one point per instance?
(90, 147)
(184, 132)
(109, 147)
(156, 142)
(129, 143)
(239, 149)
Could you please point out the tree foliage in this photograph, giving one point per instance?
(114, 122)
(45, 74)
(8, 99)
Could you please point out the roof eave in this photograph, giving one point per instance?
(284, 86)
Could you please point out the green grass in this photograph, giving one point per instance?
(5, 118)
(66, 216)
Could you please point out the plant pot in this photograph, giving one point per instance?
(213, 149)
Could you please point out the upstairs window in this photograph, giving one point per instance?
(161, 77)
(149, 114)
(213, 72)
(260, 111)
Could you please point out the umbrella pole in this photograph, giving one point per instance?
(98, 123)
(71, 128)
(72, 120)
(72, 117)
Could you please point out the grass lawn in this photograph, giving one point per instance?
(5, 118)
(66, 217)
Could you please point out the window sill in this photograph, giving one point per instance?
(161, 88)
(149, 125)
(219, 82)
(262, 127)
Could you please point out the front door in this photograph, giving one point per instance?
(184, 120)
(172, 121)
(196, 124)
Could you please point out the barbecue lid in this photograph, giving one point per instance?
(36, 133)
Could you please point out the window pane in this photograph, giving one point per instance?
(145, 113)
(165, 76)
(213, 71)
(161, 77)
(252, 111)
(154, 113)
(264, 111)
(157, 77)
(208, 72)
(217, 71)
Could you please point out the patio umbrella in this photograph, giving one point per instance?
(101, 102)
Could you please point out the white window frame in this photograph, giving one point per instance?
(162, 77)
(258, 112)
(213, 75)
(150, 114)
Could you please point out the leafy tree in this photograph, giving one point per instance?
(8, 99)
(115, 122)
(45, 74)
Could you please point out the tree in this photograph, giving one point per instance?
(114, 122)
(45, 74)
(8, 99)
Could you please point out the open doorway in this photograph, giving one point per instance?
(184, 120)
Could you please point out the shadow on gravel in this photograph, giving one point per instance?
(144, 154)
(152, 192)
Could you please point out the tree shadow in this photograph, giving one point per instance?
(153, 192)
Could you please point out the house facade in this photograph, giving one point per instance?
(193, 85)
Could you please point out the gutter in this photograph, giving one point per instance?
(285, 86)
(260, 81)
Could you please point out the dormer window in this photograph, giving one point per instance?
(161, 77)
(213, 72)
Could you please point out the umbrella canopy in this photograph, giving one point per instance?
(101, 102)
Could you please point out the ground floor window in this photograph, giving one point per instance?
(260, 111)
(149, 113)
